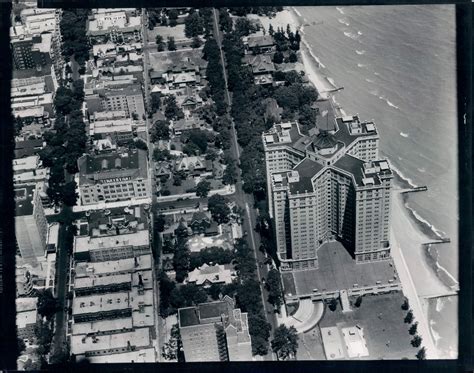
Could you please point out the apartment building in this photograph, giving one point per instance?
(329, 186)
(113, 176)
(113, 310)
(31, 227)
(215, 331)
(105, 248)
(128, 99)
(118, 26)
(119, 130)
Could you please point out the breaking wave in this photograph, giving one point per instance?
(344, 22)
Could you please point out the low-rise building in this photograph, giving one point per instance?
(260, 44)
(129, 99)
(120, 130)
(206, 275)
(215, 331)
(106, 248)
(113, 176)
(119, 27)
(31, 226)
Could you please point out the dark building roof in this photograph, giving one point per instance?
(28, 147)
(352, 165)
(205, 313)
(24, 200)
(188, 317)
(131, 163)
(261, 63)
(344, 135)
(324, 140)
(306, 170)
(260, 41)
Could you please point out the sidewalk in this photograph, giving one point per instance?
(108, 205)
(409, 291)
(227, 190)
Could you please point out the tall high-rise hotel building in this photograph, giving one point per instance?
(328, 186)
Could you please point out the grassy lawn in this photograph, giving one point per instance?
(179, 189)
(310, 346)
(177, 32)
(381, 317)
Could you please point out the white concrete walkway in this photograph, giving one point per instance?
(228, 189)
(305, 318)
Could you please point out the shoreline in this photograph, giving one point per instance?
(409, 233)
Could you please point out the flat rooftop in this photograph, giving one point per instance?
(81, 344)
(24, 200)
(85, 243)
(26, 304)
(139, 263)
(145, 355)
(101, 326)
(90, 282)
(338, 271)
(101, 303)
(23, 319)
(197, 315)
(306, 170)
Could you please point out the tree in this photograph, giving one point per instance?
(171, 44)
(181, 260)
(260, 330)
(278, 57)
(160, 131)
(166, 288)
(172, 110)
(160, 155)
(358, 301)
(47, 303)
(243, 27)
(275, 291)
(197, 42)
(333, 304)
(203, 188)
(405, 305)
(193, 25)
(159, 39)
(225, 21)
(171, 349)
(285, 342)
(220, 211)
(409, 317)
(69, 193)
(271, 30)
(160, 223)
(292, 57)
(173, 15)
(413, 328)
(416, 341)
(214, 254)
(230, 174)
(421, 355)
(199, 138)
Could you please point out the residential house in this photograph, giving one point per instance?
(262, 68)
(260, 44)
(206, 275)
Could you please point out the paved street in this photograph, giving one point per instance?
(156, 264)
(244, 200)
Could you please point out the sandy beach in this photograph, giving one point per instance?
(418, 278)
